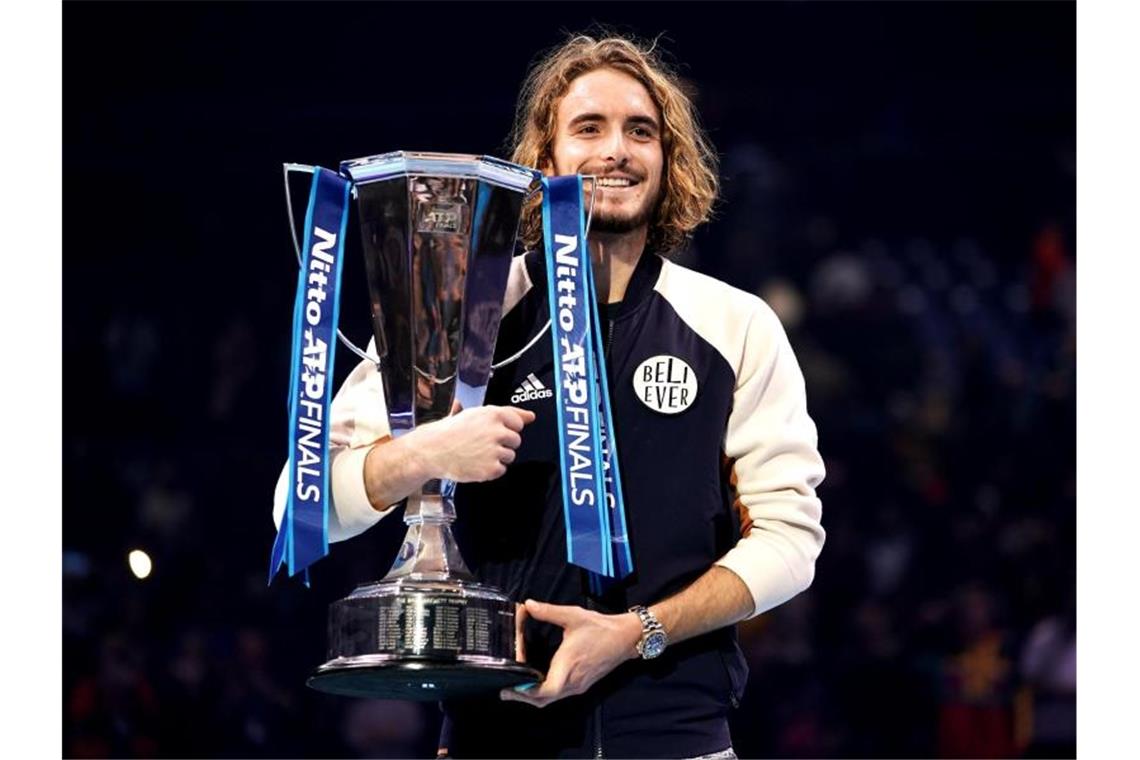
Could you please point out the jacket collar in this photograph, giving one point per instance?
(640, 285)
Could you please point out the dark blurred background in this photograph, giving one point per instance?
(899, 184)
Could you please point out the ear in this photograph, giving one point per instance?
(546, 165)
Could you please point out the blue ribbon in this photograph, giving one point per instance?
(619, 537)
(592, 500)
(304, 536)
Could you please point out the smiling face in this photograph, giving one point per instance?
(608, 125)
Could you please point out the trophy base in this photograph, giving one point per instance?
(422, 639)
(381, 677)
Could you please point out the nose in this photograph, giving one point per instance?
(615, 151)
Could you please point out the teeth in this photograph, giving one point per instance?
(614, 182)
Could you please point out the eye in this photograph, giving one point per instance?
(588, 129)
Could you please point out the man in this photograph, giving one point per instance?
(717, 451)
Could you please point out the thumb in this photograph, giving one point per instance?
(520, 632)
(559, 614)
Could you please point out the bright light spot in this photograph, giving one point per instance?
(140, 563)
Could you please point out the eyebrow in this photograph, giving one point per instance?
(641, 120)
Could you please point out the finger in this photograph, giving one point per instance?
(550, 688)
(515, 695)
(521, 616)
(554, 688)
(559, 614)
(541, 693)
(506, 456)
(528, 416)
(510, 439)
(512, 417)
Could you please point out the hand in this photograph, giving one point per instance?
(593, 644)
(475, 444)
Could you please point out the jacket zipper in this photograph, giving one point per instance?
(732, 699)
(598, 732)
(589, 602)
(598, 754)
(592, 605)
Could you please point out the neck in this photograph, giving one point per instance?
(615, 256)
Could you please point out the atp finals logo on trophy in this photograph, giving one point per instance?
(438, 233)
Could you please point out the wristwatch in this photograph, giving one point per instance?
(653, 638)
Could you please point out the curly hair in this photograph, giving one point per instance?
(689, 182)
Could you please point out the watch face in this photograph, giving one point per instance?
(654, 645)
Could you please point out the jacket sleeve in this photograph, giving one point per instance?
(776, 467)
(359, 418)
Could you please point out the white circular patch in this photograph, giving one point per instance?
(665, 384)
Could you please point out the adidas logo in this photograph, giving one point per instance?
(530, 390)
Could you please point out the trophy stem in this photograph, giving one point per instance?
(429, 551)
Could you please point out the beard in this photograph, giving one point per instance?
(621, 222)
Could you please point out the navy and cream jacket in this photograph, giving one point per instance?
(719, 464)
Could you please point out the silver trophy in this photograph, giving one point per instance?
(438, 233)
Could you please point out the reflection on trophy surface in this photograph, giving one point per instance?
(438, 232)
